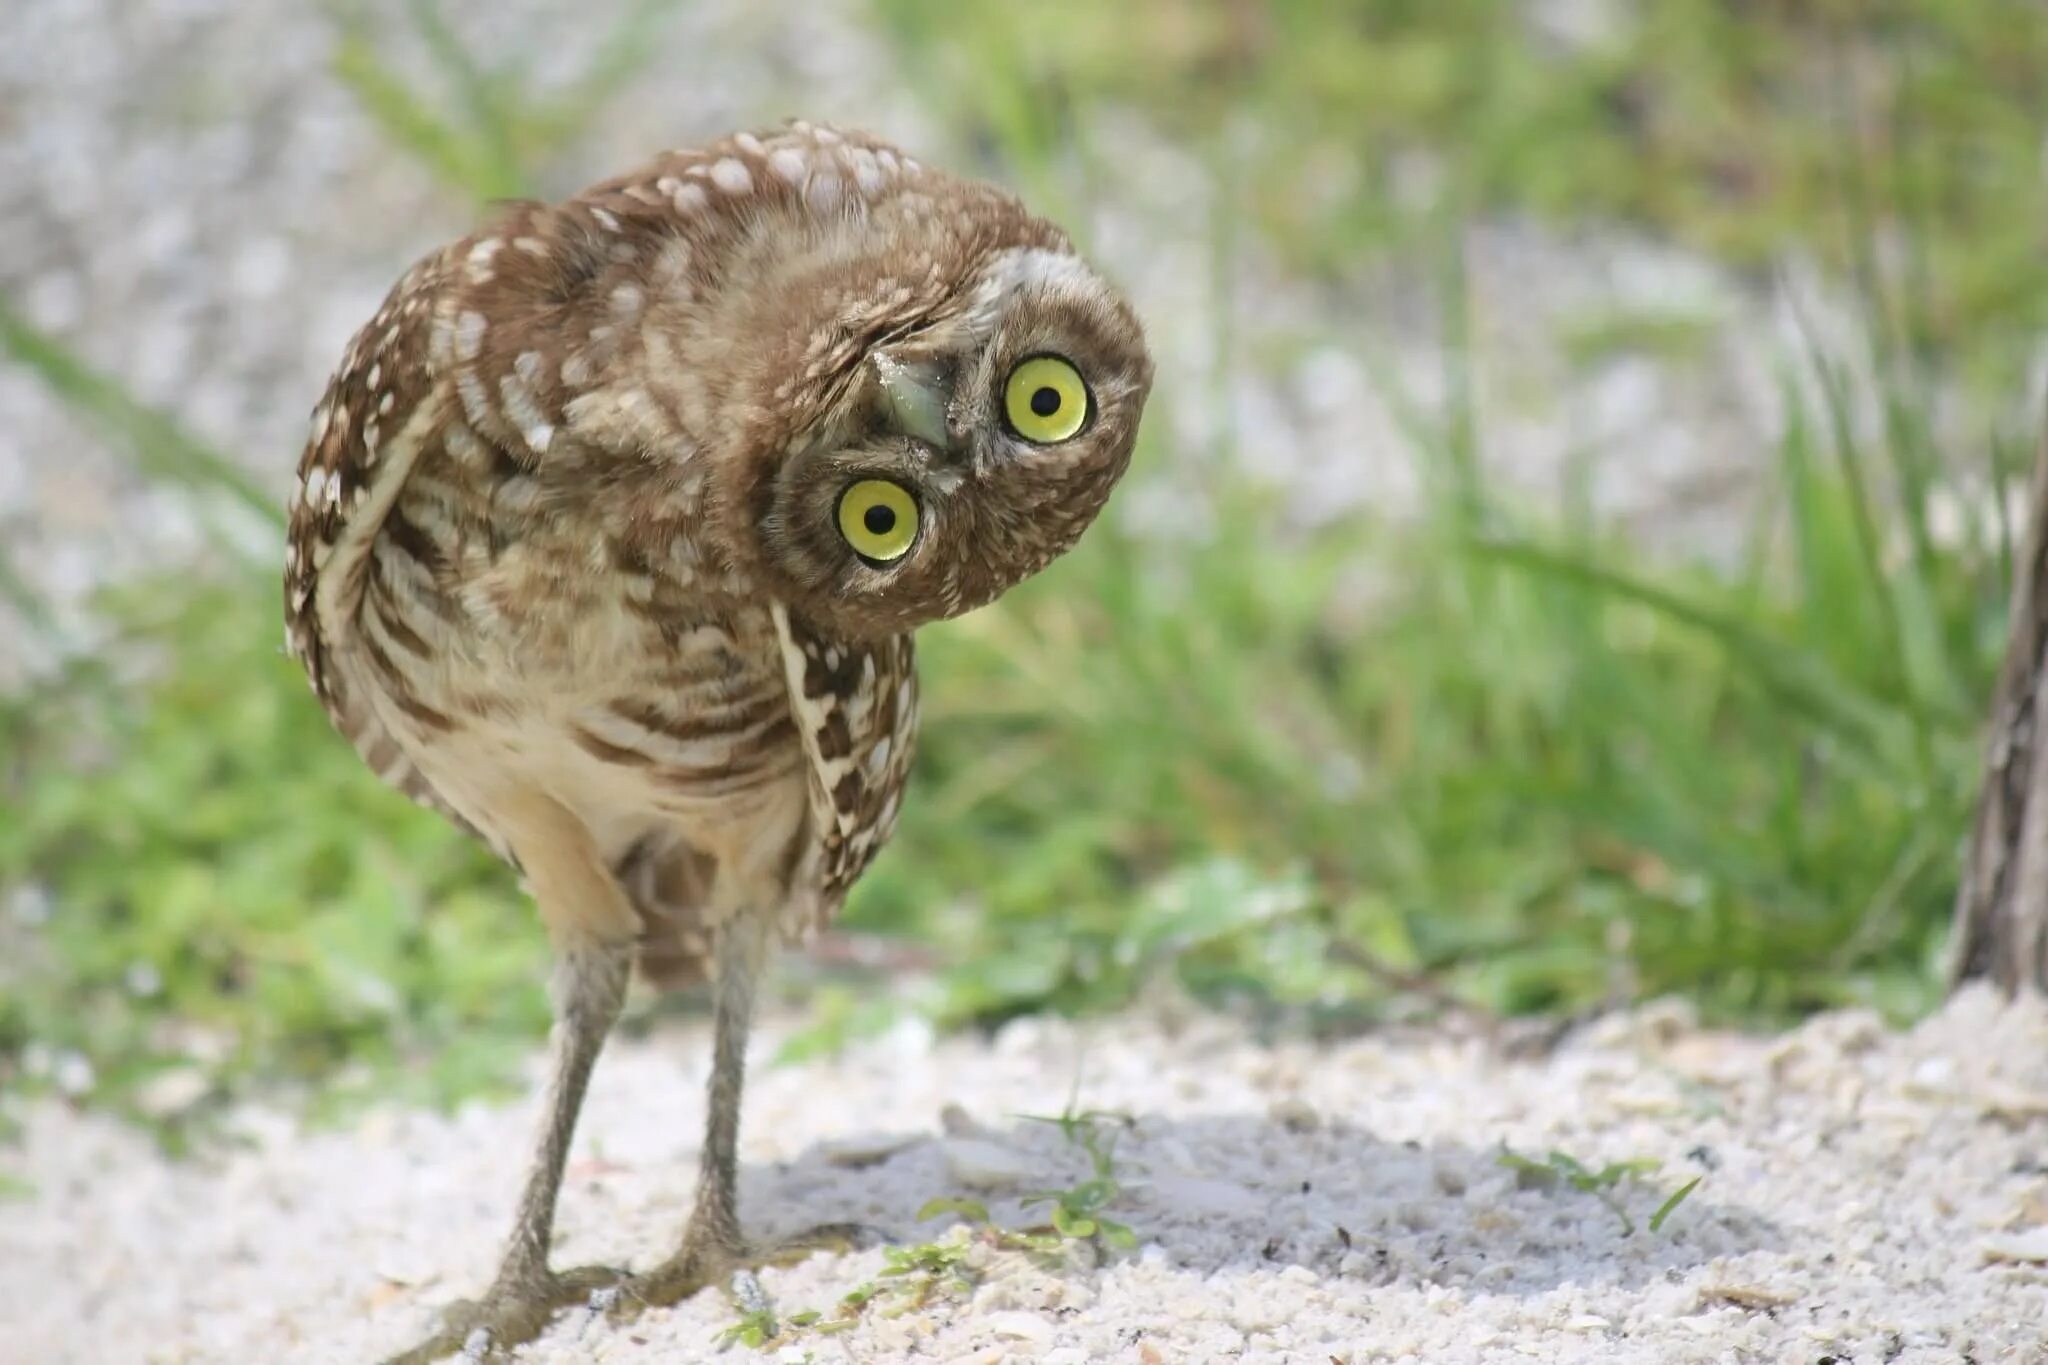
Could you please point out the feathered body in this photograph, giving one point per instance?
(568, 557)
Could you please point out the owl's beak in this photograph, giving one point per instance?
(917, 394)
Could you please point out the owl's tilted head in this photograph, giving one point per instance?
(977, 394)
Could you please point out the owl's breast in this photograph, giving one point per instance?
(641, 689)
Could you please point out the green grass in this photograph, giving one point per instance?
(231, 891)
(1483, 760)
(481, 129)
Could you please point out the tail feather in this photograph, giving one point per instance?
(668, 883)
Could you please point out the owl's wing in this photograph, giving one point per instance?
(856, 709)
(382, 411)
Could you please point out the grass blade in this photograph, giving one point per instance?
(1670, 1205)
(454, 156)
(159, 446)
(1796, 675)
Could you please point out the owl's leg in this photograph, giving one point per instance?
(712, 1244)
(592, 927)
(714, 1251)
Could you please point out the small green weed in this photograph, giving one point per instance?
(914, 1276)
(1601, 1184)
(1076, 1212)
(757, 1327)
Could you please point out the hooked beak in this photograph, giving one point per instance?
(917, 394)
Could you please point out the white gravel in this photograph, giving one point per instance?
(1869, 1196)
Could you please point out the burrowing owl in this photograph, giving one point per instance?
(611, 534)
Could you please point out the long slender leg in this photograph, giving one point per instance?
(713, 1246)
(715, 1222)
(589, 988)
(591, 926)
(712, 1243)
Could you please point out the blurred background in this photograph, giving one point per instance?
(1565, 563)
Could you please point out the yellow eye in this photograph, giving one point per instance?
(1045, 400)
(878, 519)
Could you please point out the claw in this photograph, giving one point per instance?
(509, 1316)
(699, 1265)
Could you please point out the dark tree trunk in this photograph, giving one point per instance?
(2001, 929)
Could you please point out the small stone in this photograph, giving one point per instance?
(2024, 1248)
(73, 1073)
(171, 1092)
(1750, 1298)
(1295, 1114)
(1015, 1325)
(983, 1165)
(1933, 1078)
(1218, 1198)
(1255, 1311)
(866, 1149)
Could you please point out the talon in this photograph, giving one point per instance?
(507, 1316)
(746, 1288)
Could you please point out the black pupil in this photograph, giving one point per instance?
(879, 520)
(1046, 401)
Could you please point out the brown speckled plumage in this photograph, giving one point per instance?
(566, 560)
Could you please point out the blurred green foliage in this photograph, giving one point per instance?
(1897, 141)
(481, 129)
(1477, 759)
(224, 888)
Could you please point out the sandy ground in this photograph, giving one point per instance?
(1868, 1196)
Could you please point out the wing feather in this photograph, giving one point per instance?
(856, 709)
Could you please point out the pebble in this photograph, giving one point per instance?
(1295, 1114)
(982, 1165)
(1014, 1325)
(868, 1149)
(2024, 1248)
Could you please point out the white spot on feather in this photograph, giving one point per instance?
(478, 267)
(689, 198)
(524, 412)
(469, 334)
(730, 174)
(866, 172)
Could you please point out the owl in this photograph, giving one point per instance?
(610, 538)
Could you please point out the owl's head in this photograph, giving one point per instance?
(965, 448)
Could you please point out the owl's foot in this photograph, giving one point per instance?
(509, 1315)
(703, 1262)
